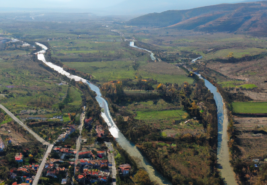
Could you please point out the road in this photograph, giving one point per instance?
(78, 142)
(36, 136)
(41, 167)
(112, 160)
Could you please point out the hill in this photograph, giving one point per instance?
(241, 18)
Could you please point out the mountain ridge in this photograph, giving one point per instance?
(240, 18)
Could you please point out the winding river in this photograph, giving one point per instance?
(223, 157)
(122, 141)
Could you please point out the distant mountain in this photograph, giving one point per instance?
(139, 7)
(242, 17)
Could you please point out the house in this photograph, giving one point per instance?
(64, 181)
(21, 169)
(2, 146)
(84, 140)
(13, 175)
(125, 118)
(51, 173)
(36, 167)
(101, 154)
(80, 177)
(125, 169)
(88, 154)
(255, 160)
(99, 130)
(103, 179)
(19, 158)
(88, 121)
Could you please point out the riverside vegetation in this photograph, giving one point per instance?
(184, 154)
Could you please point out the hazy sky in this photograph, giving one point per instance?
(113, 6)
(59, 3)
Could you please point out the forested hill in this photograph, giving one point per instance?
(241, 17)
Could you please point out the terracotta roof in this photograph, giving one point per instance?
(22, 169)
(80, 176)
(88, 120)
(84, 153)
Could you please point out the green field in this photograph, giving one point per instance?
(250, 107)
(119, 70)
(160, 115)
(238, 53)
(151, 105)
(237, 84)
(26, 85)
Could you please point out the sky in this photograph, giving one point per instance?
(112, 7)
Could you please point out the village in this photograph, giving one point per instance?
(93, 163)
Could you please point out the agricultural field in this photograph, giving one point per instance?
(25, 85)
(249, 107)
(160, 115)
(156, 105)
(237, 84)
(119, 70)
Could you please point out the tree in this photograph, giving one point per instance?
(61, 106)
(142, 178)
(231, 55)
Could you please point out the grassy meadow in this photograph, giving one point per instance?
(237, 84)
(249, 107)
(160, 115)
(26, 85)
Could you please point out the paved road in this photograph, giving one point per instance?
(37, 137)
(41, 167)
(78, 142)
(112, 160)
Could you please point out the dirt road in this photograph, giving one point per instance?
(37, 137)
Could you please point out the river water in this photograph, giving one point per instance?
(152, 56)
(121, 140)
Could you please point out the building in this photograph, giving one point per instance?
(86, 154)
(88, 121)
(125, 169)
(2, 146)
(51, 173)
(19, 158)
(99, 130)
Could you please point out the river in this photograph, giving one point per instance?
(121, 140)
(152, 56)
(223, 155)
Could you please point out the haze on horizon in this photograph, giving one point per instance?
(107, 7)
